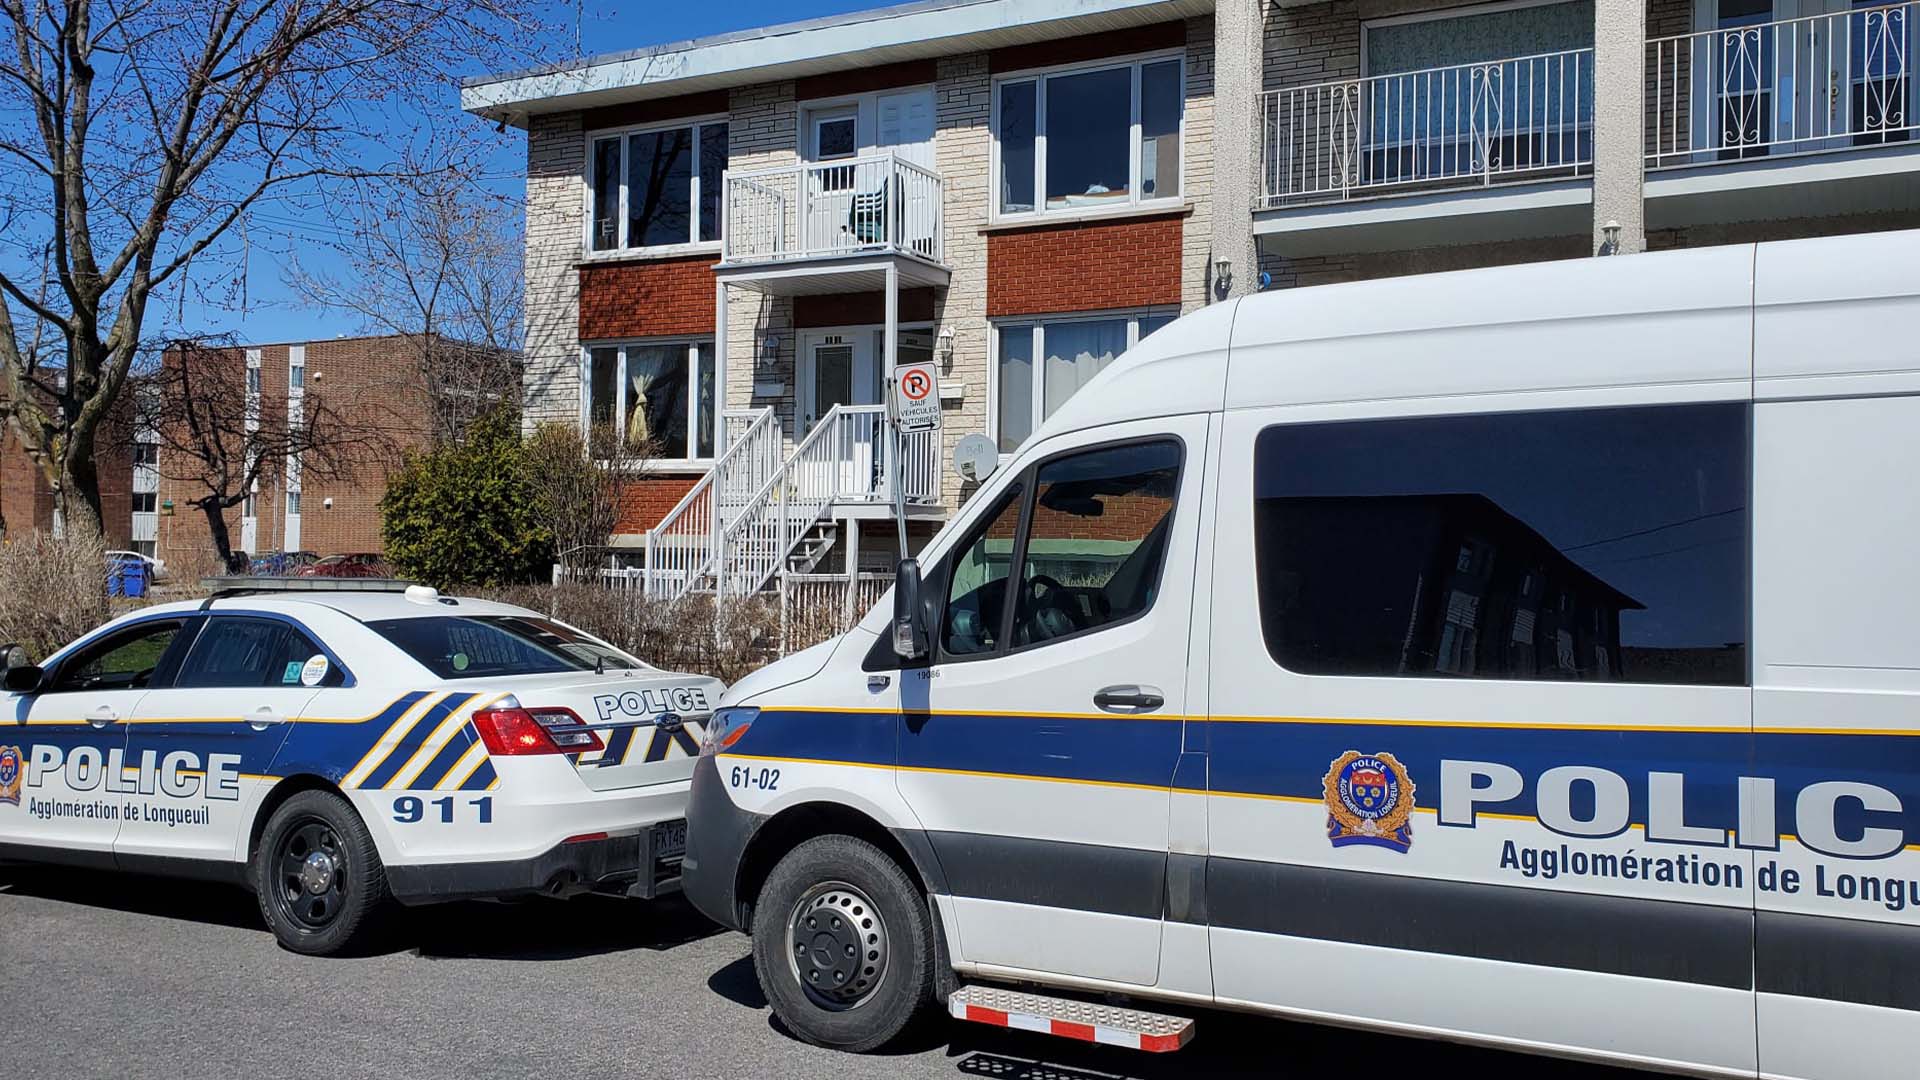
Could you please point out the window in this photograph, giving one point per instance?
(656, 188)
(1071, 352)
(489, 646)
(1596, 544)
(1085, 541)
(145, 502)
(297, 377)
(654, 394)
(976, 586)
(247, 652)
(835, 137)
(121, 661)
(248, 508)
(146, 453)
(146, 547)
(293, 504)
(253, 381)
(1090, 138)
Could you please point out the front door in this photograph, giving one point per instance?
(208, 739)
(842, 369)
(68, 742)
(1038, 750)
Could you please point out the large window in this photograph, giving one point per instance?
(1070, 352)
(656, 188)
(1596, 544)
(1077, 549)
(656, 395)
(491, 646)
(1085, 139)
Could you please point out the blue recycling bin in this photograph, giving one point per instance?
(127, 577)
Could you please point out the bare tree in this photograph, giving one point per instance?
(434, 256)
(224, 439)
(140, 133)
(580, 486)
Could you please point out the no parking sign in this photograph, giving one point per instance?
(916, 397)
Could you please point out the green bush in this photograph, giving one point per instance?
(467, 514)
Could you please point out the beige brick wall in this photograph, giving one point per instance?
(1196, 242)
(1311, 44)
(556, 206)
(962, 144)
(761, 134)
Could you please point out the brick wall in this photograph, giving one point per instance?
(762, 133)
(860, 309)
(1311, 44)
(1197, 144)
(645, 500)
(556, 208)
(655, 298)
(962, 145)
(1085, 266)
(26, 498)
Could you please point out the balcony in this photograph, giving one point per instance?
(842, 220)
(1499, 149)
(1793, 117)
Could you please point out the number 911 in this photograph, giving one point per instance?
(410, 809)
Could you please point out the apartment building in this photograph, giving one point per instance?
(27, 501)
(374, 381)
(732, 241)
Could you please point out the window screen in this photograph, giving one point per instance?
(1601, 544)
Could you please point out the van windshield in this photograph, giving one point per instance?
(488, 646)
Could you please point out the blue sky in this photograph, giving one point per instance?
(264, 309)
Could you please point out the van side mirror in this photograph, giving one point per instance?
(909, 617)
(25, 679)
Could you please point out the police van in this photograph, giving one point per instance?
(1520, 656)
(332, 743)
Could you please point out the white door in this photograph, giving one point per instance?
(841, 369)
(1039, 749)
(827, 188)
(905, 127)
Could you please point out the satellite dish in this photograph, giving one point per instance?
(976, 457)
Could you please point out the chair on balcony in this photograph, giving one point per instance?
(867, 216)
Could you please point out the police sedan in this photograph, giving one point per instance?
(337, 744)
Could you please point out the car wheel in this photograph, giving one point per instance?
(843, 945)
(317, 875)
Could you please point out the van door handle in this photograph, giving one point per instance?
(264, 717)
(102, 716)
(1129, 699)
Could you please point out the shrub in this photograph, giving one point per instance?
(51, 591)
(688, 634)
(468, 514)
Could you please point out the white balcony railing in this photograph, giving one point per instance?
(1520, 118)
(1825, 82)
(882, 203)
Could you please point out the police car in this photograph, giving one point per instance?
(333, 744)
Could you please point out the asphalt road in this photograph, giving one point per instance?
(114, 976)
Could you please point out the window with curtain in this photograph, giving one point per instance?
(657, 395)
(1039, 365)
(656, 188)
(1084, 139)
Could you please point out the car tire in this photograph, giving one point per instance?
(826, 896)
(317, 876)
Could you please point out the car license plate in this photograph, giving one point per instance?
(669, 838)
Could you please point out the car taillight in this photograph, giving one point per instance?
(515, 731)
(726, 728)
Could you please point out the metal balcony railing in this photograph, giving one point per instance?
(1523, 117)
(1826, 82)
(882, 203)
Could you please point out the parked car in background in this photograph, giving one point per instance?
(364, 564)
(281, 563)
(156, 568)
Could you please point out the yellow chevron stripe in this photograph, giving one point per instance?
(437, 742)
(463, 768)
(385, 744)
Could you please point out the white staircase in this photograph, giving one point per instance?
(757, 512)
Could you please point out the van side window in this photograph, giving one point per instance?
(976, 586)
(1592, 544)
(1096, 540)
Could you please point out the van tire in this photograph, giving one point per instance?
(352, 881)
(835, 877)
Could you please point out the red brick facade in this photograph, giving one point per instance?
(645, 500)
(657, 298)
(26, 499)
(1084, 266)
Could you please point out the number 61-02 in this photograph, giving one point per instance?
(408, 809)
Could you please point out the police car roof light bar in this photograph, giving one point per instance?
(221, 588)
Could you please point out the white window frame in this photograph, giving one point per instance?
(1036, 325)
(1038, 77)
(818, 118)
(692, 344)
(621, 249)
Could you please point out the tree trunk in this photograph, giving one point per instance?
(79, 499)
(217, 527)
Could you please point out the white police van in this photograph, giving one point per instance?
(1520, 656)
(335, 742)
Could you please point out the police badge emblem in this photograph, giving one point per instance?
(1369, 801)
(12, 766)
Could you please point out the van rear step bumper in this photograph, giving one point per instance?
(1071, 1019)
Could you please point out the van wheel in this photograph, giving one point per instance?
(843, 945)
(317, 875)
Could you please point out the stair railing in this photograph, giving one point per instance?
(681, 549)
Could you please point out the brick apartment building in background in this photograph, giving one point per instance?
(371, 379)
(731, 241)
(26, 498)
